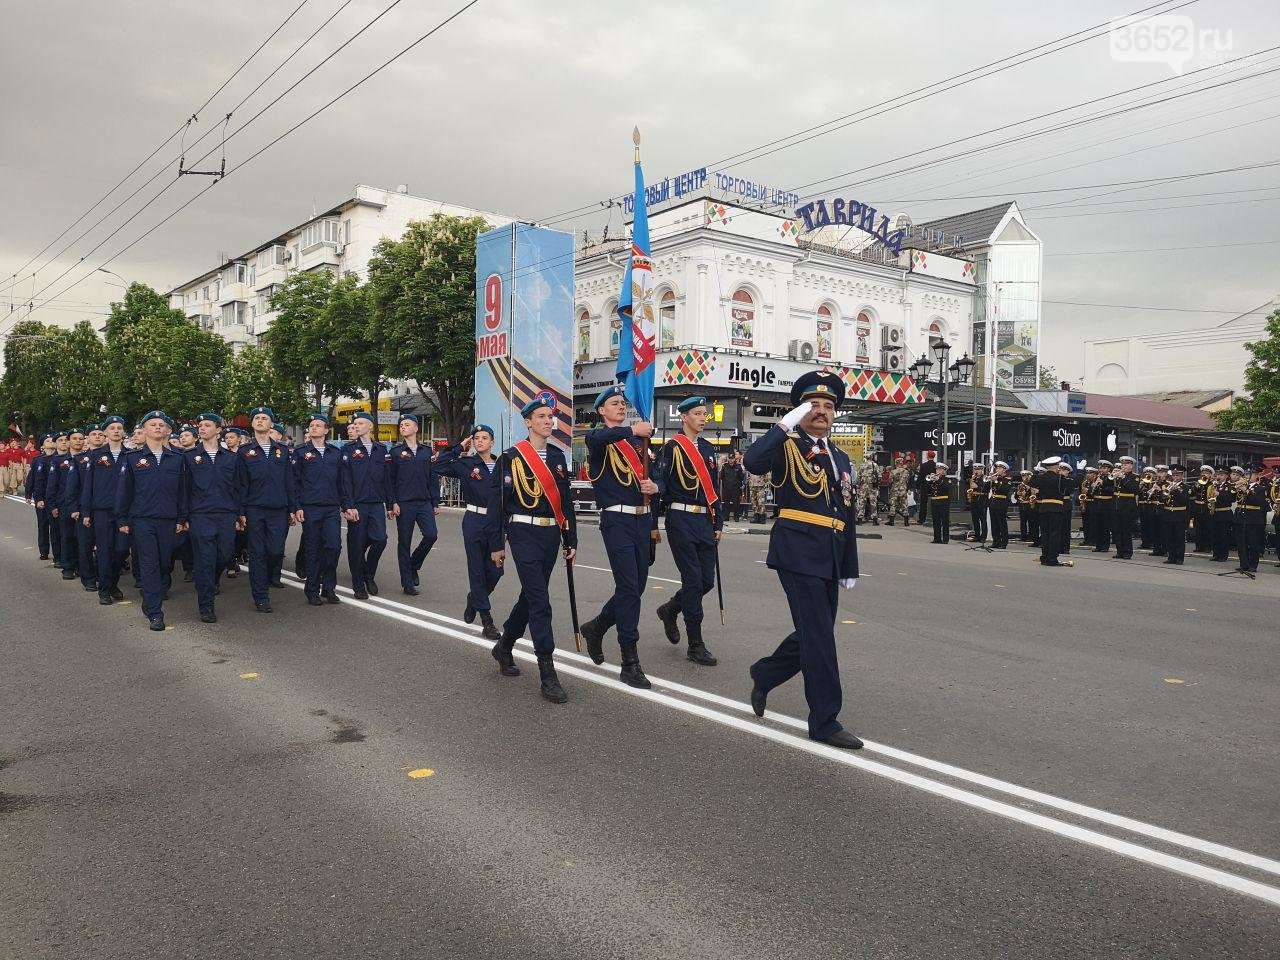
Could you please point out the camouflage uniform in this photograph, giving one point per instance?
(869, 492)
(899, 478)
(755, 487)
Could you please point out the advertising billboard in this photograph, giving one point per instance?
(524, 328)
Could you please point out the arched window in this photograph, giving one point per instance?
(615, 327)
(667, 320)
(864, 330)
(826, 324)
(742, 320)
(584, 335)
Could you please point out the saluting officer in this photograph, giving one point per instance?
(366, 503)
(97, 510)
(215, 497)
(474, 468)
(270, 505)
(998, 490)
(695, 520)
(415, 496)
(812, 547)
(530, 505)
(317, 475)
(37, 479)
(622, 488)
(1126, 492)
(150, 507)
(1052, 494)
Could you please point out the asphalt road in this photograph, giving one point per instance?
(1060, 763)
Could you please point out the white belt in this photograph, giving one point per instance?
(472, 508)
(687, 507)
(532, 520)
(626, 508)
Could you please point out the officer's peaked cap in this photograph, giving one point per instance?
(818, 383)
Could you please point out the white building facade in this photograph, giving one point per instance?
(234, 299)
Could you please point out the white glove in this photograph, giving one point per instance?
(789, 422)
(850, 583)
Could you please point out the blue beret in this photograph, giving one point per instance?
(257, 410)
(154, 415)
(279, 428)
(239, 430)
(407, 416)
(818, 383)
(363, 415)
(74, 430)
(688, 403)
(90, 427)
(189, 428)
(613, 390)
(209, 416)
(62, 435)
(110, 420)
(317, 416)
(537, 403)
(483, 427)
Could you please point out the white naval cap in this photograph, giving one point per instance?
(1050, 461)
(1161, 466)
(1089, 469)
(1105, 463)
(1205, 468)
(1001, 463)
(1238, 469)
(1127, 460)
(1148, 469)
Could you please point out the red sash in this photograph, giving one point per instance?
(699, 467)
(542, 474)
(632, 457)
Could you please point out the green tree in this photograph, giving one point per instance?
(80, 388)
(159, 362)
(359, 335)
(33, 353)
(315, 333)
(140, 301)
(1260, 409)
(424, 292)
(252, 380)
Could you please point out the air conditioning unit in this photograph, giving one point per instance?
(892, 337)
(802, 349)
(893, 361)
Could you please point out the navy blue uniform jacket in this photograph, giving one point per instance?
(504, 498)
(267, 476)
(214, 485)
(367, 476)
(149, 490)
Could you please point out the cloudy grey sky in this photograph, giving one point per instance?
(527, 108)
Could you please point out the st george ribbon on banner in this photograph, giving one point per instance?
(637, 348)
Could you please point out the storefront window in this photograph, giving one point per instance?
(667, 320)
(584, 336)
(826, 323)
(742, 320)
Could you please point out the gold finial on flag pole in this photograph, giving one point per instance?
(635, 138)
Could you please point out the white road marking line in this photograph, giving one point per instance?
(1242, 857)
(1124, 848)
(587, 566)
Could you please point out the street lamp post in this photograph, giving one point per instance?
(123, 281)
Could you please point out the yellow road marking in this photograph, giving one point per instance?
(848, 621)
(1173, 680)
(123, 603)
(168, 627)
(422, 774)
(1191, 609)
(248, 676)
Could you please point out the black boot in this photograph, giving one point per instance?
(593, 632)
(551, 689)
(469, 614)
(490, 632)
(668, 613)
(502, 653)
(631, 673)
(698, 651)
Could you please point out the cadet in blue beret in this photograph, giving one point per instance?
(695, 519)
(318, 476)
(415, 499)
(56, 469)
(65, 502)
(619, 468)
(97, 509)
(366, 502)
(214, 494)
(270, 505)
(37, 481)
(151, 507)
(87, 562)
(812, 547)
(530, 505)
(473, 468)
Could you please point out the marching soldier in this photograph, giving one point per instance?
(1200, 509)
(270, 505)
(86, 562)
(940, 503)
(366, 503)
(628, 527)
(215, 493)
(998, 503)
(899, 478)
(97, 510)
(186, 439)
(474, 469)
(70, 444)
(318, 476)
(150, 507)
(869, 491)
(976, 498)
(1052, 493)
(1126, 493)
(1251, 519)
(531, 505)
(756, 490)
(232, 437)
(812, 547)
(415, 496)
(1222, 505)
(686, 473)
(37, 479)
(1103, 506)
(1175, 502)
